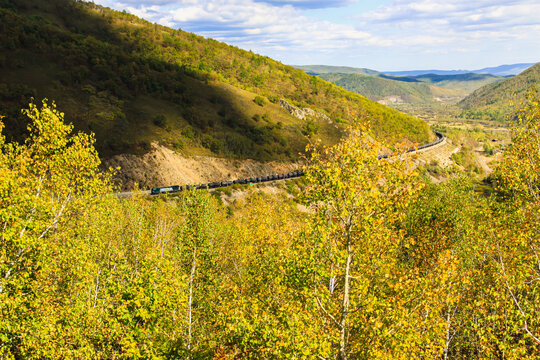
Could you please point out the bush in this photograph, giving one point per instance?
(273, 99)
(259, 100)
(238, 144)
(188, 133)
(160, 121)
(310, 128)
(178, 145)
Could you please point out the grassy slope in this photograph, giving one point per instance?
(497, 101)
(113, 73)
(377, 88)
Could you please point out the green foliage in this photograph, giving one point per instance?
(310, 128)
(111, 71)
(160, 120)
(47, 185)
(259, 100)
(352, 250)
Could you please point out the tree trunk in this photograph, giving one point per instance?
(447, 344)
(190, 300)
(345, 309)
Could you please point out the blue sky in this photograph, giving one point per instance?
(382, 35)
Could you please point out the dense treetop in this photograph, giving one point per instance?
(385, 265)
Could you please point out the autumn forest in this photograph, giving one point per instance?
(362, 258)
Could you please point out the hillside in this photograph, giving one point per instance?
(397, 89)
(379, 88)
(466, 83)
(497, 101)
(134, 83)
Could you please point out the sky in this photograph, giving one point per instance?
(383, 35)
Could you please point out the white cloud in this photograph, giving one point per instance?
(260, 26)
(310, 4)
(457, 29)
(399, 31)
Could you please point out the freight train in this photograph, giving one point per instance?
(291, 175)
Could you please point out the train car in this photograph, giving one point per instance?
(165, 190)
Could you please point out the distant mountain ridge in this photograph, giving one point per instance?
(501, 70)
(394, 89)
(327, 69)
(504, 70)
(467, 82)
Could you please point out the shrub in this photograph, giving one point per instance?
(160, 120)
(259, 100)
(310, 128)
(273, 99)
(188, 132)
(178, 145)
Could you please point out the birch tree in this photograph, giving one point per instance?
(356, 199)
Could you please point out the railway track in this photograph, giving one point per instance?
(260, 179)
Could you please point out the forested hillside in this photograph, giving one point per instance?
(497, 101)
(378, 87)
(132, 82)
(462, 82)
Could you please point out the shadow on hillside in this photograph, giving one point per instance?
(100, 76)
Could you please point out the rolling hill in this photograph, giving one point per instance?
(465, 83)
(497, 101)
(413, 89)
(379, 88)
(132, 83)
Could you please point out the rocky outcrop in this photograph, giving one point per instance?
(302, 113)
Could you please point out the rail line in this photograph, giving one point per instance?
(260, 179)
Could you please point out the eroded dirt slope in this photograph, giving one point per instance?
(163, 167)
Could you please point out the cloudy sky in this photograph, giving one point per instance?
(378, 34)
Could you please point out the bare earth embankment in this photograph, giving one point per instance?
(162, 167)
